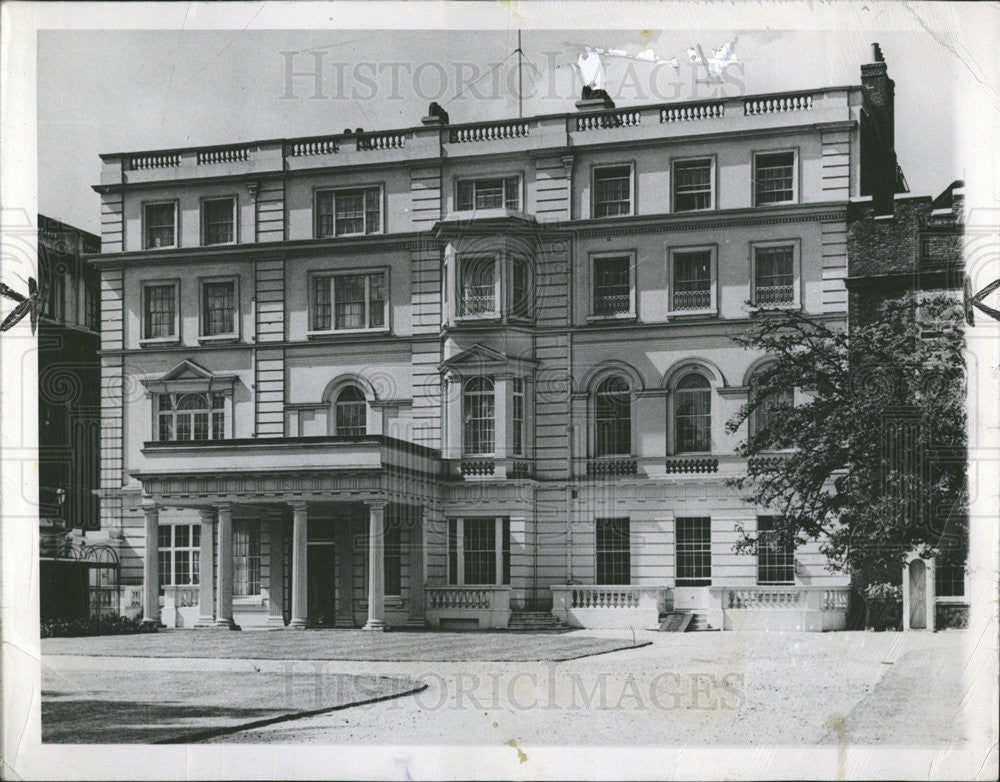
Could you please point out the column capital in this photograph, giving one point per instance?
(299, 505)
(223, 507)
(207, 514)
(376, 504)
(150, 508)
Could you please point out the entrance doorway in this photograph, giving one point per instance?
(321, 584)
(918, 594)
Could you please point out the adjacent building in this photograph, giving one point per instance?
(75, 581)
(459, 373)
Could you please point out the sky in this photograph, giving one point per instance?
(122, 91)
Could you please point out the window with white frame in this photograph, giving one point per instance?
(246, 557)
(350, 412)
(491, 193)
(613, 191)
(612, 286)
(218, 308)
(159, 225)
(775, 556)
(517, 415)
(613, 417)
(694, 186)
(348, 302)
(693, 414)
(694, 551)
(613, 551)
(478, 422)
(353, 212)
(191, 416)
(774, 178)
(475, 555)
(691, 277)
(218, 221)
(479, 285)
(773, 275)
(159, 311)
(178, 554)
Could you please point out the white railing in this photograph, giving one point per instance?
(774, 294)
(609, 119)
(323, 146)
(182, 596)
(228, 155)
(443, 598)
(597, 597)
(691, 300)
(609, 606)
(693, 111)
(369, 142)
(836, 599)
(764, 598)
(162, 160)
(493, 131)
(774, 105)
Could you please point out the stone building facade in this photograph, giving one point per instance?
(457, 373)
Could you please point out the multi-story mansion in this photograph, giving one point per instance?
(441, 374)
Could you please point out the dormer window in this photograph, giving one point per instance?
(494, 193)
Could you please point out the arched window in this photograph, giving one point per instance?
(351, 412)
(693, 414)
(613, 417)
(195, 416)
(768, 407)
(478, 416)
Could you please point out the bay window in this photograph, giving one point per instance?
(478, 423)
(492, 193)
(191, 416)
(479, 286)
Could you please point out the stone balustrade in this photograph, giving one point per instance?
(223, 155)
(792, 607)
(773, 104)
(692, 111)
(149, 160)
(609, 606)
(483, 606)
(488, 131)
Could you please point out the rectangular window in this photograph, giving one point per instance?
(520, 291)
(348, 302)
(218, 308)
(92, 305)
(517, 415)
(178, 552)
(613, 547)
(775, 558)
(160, 226)
(774, 178)
(191, 416)
(479, 551)
(774, 275)
(694, 551)
(392, 556)
(692, 281)
(949, 579)
(218, 221)
(348, 212)
(497, 193)
(478, 413)
(159, 311)
(478, 286)
(55, 298)
(246, 557)
(612, 286)
(612, 191)
(692, 185)
(453, 551)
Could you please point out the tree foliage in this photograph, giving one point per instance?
(869, 460)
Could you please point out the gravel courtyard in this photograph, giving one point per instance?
(688, 689)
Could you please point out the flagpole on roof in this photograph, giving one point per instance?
(520, 91)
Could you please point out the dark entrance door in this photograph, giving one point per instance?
(321, 585)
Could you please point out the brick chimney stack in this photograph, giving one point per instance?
(886, 179)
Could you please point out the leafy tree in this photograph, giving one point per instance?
(870, 460)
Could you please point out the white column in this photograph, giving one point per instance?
(276, 579)
(206, 571)
(151, 567)
(376, 567)
(224, 593)
(299, 559)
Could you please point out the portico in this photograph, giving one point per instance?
(329, 543)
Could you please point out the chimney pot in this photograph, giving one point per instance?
(877, 53)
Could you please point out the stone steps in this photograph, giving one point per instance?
(535, 622)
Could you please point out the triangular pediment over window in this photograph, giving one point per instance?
(189, 376)
(480, 358)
